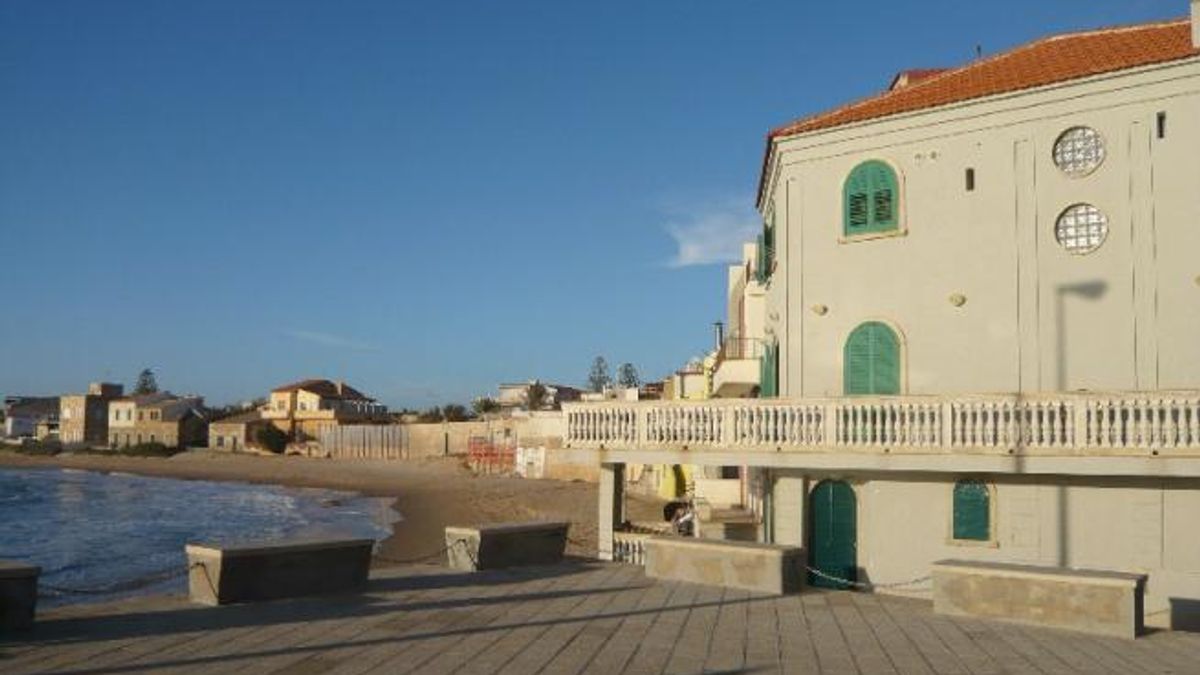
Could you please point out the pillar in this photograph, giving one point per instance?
(612, 507)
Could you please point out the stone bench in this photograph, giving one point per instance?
(767, 568)
(505, 545)
(1092, 601)
(219, 575)
(18, 595)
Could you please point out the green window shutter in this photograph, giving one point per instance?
(768, 372)
(972, 511)
(855, 197)
(871, 361)
(869, 199)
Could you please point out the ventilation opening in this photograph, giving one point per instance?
(1162, 125)
(970, 180)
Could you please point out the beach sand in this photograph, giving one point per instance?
(430, 494)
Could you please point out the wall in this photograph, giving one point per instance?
(1025, 325)
(539, 429)
(83, 419)
(1132, 525)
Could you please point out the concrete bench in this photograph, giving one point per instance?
(18, 595)
(1092, 601)
(219, 575)
(767, 568)
(505, 545)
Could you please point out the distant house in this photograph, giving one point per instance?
(30, 416)
(163, 417)
(516, 395)
(83, 418)
(236, 432)
(302, 409)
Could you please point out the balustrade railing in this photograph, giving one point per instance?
(1120, 421)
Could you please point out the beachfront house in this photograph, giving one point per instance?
(161, 417)
(236, 432)
(515, 395)
(982, 312)
(31, 416)
(83, 418)
(303, 409)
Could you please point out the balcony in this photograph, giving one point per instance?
(764, 431)
(738, 367)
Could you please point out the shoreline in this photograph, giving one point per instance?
(428, 494)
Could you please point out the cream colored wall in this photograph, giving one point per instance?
(996, 245)
(1131, 525)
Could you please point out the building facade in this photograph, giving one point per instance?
(83, 418)
(162, 417)
(31, 417)
(303, 409)
(982, 313)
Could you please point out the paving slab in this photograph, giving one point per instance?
(574, 617)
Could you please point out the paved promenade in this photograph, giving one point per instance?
(593, 617)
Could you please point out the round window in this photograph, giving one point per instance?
(1078, 151)
(1081, 228)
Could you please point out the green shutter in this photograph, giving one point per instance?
(871, 361)
(972, 511)
(869, 199)
(768, 372)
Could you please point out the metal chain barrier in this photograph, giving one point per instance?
(431, 556)
(867, 585)
(118, 587)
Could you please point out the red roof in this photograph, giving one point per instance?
(1043, 62)
(325, 389)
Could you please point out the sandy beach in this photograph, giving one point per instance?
(429, 494)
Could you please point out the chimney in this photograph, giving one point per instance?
(340, 385)
(1196, 24)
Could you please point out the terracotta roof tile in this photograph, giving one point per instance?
(1047, 61)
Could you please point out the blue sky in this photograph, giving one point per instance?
(421, 198)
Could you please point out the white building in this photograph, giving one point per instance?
(983, 308)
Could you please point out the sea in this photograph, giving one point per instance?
(103, 536)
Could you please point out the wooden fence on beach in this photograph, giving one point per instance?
(365, 441)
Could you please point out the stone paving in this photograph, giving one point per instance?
(570, 618)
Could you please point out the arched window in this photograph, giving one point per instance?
(871, 362)
(972, 511)
(870, 199)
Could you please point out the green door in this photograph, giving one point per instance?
(871, 362)
(832, 539)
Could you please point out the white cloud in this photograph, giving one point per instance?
(712, 233)
(328, 340)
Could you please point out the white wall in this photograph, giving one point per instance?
(1128, 525)
(1018, 331)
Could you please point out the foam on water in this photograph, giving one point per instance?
(90, 529)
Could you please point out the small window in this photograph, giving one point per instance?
(970, 180)
(1081, 228)
(869, 199)
(1079, 151)
(1162, 125)
(972, 511)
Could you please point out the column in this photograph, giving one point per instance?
(612, 507)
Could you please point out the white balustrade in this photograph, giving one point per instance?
(1045, 423)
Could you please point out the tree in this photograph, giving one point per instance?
(271, 438)
(484, 405)
(455, 412)
(433, 414)
(627, 376)
(146, 384)
(536, 396)
(599, 377)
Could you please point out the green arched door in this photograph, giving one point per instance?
(871, 362)
(832, 534)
